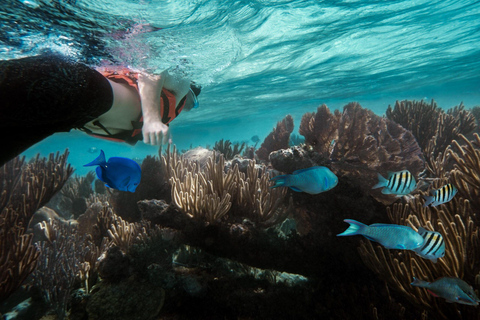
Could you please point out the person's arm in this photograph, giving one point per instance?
(150, 87)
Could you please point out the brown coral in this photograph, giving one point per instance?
(466, 176)
(201, 194)
(433, 128)
(320, 129)
(25, 188)
(277, 139)
(360, 144)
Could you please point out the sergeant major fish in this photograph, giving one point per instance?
(451, 289)
(442, 195)
(118, 173)
(391, 236)
(311, 180)
(399, 183)
(433, 246)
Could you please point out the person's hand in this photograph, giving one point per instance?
(155, 133)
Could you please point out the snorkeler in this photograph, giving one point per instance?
(50, 93)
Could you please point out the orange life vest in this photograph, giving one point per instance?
(168, 107)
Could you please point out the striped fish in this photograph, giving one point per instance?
(433, 246)
(399, 183)
(442, 195)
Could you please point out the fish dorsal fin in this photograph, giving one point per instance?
(99, 161)
(124, 162)
(382, 225)
(422, 231)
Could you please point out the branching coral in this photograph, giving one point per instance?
(225, 148)
(208, 194)
(257, 202)
(25, 188)
(58, 265)
(277, 139)
(202, 195)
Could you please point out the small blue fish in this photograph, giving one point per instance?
(399, 183)
(118, 173)
(442, 195)
(391, 236)
(451, 289)
(433, 246)
(311, 180)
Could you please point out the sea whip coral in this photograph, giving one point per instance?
(25, 188)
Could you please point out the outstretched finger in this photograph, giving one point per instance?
(167, 137)
(153, 139)
(146, 138)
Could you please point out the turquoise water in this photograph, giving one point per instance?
(258, 61)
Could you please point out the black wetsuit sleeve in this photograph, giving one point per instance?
(45, 94)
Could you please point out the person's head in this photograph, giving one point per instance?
(192, 101)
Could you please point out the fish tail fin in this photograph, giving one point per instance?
(419, 283)
(281, 181)
(428, 200)
(382, 182)
(99, 161)
(354, 228)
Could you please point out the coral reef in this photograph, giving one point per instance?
(205, 237)
(357, 144)
(25, 188)
(277, 139)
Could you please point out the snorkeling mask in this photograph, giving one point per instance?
(195, 100)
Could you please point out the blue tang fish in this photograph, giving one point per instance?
(391, 236)
(311, 180)
(118, 173)
(399, 183)
(451, 289)
(433, 246)
(442, 195)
